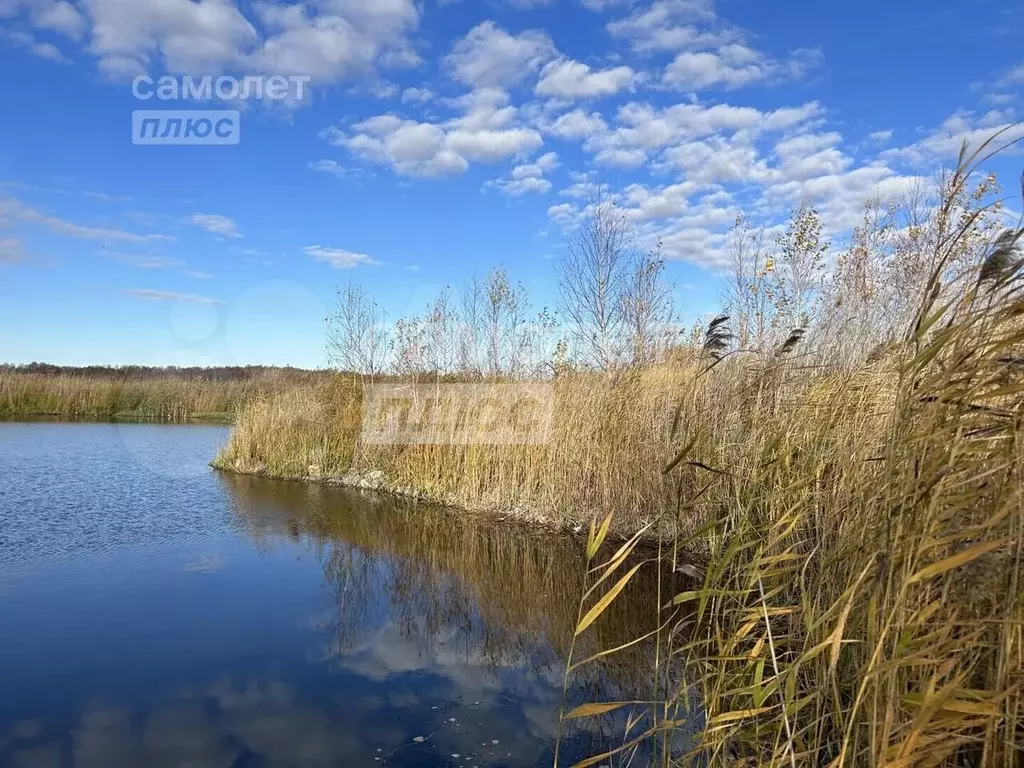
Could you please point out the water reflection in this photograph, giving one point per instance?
(191, 618)
(486, 609)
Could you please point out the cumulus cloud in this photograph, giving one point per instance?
(575, 125)
(569, 79)
(409, 147)
(564, 214)
(527, 177)
(339, 258)
(488, 56)
(643, 128)
(417, 95)
(486, 131)
(57, 16)
(621, 158)
(344, 40)
(667, 25)
(960, 127)
(327, 41)
(734, 66)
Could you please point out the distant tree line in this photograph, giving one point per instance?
(156, 373)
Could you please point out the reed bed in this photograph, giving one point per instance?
(164, 398)
(857, 600)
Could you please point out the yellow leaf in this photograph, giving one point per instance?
(605, 601)
(739, 714)
(596, 540)
(597, 708)
(955, 705)
(955, 561)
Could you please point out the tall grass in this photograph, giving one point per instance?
(858, 600)
(609, 436)
(110, 396)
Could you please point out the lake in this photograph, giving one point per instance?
(154, 612)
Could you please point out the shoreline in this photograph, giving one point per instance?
(374, 481)
(218, 419)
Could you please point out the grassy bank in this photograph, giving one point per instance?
(611, 435)
(175, 395)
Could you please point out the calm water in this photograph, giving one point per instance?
(156, 613)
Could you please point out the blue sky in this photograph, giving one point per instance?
(438, 138)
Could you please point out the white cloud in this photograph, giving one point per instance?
(490, 146)
(47, 51)
(667, 25)
(485, 132)
(334, 168)
(569, 79)
(328, 40)
(598, 6)
(488, 56)
(409, 147)
(339, 258)
(215, 224)
(12, 210)
(528, 177)
(564, 214)
(964, 126)
(576, 125)
(733, 66)
(621, 158)
(417, 95)
(1014, 76)
(54, 15)
(29, 43)
(643, 127)
(811, 154)
(880, 137)
(346, 39)
(60, 17)
(840, 197)
(710, 52)
(188, 36)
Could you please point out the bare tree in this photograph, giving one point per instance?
(470, 331)
(440, 335)
(592, 276)
(746, 297)
(648, 308)
(504, 321)
(410, 347)
(357, 339)
(799, 268)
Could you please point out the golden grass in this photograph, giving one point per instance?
(858, 601)
(610, 435)
(109, 397)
